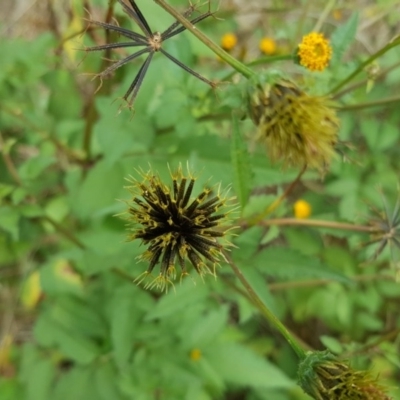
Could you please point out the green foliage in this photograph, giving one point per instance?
(75, 325)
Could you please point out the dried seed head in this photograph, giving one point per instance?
(296, 128)
(176, 225)
(324, 378)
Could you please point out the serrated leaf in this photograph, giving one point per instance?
(36, 374)
(207, 328)
(290, 264)
(9, 221)
(178, 300)
(241, 164)
(240, 366)
(342, 38)
(49, 333)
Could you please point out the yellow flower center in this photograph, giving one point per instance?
(314, 52)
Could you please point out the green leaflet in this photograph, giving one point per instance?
(241, 164)
(343, 37)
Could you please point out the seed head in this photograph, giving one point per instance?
(324, 378)
(296, 128)
(314, 52)
(176, 225)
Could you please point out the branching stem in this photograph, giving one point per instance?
(233, 62)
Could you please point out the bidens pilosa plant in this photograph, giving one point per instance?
(295, 295)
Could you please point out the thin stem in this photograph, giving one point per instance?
(319, 224)
(279, 200)
(67, 234)
(381, 102)
(233, 62)
(363, 82)
(363, 65)
(271, 318)
(9, 162)
(274, 287)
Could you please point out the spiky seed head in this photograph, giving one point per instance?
(177, 226)
(323, 377)
(297, 129)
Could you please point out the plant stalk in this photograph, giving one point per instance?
(233, 62)
(377, 103)
(319, 224)
(265, 311)
(361, 67)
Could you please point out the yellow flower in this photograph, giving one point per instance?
(314, 52)
(195, 355)
(228, 41)
(302, 209)
(267, 46)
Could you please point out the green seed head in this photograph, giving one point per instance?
(323, 377)
(296, 128)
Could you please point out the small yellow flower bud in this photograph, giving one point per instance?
(301, 209)
(195, 355)
(267, 46)
(228, 41)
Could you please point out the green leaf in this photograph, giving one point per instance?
(287, 263)
(50, 333)
(10, 389)
(178, 300)
(205, 329)
(342, 38)
(77, 384)
(37, 374)
(241, 164)
(240, 366)
(99, 191)
(9, 221)
(331, 344)
(106, 378)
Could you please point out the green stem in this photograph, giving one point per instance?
(319, 224)
(271, 318)
(233, 62)
(381, 102)
(363, 82)
(279, 200)
(363, 65)
(67, 234)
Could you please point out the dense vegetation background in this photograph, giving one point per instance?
(73, 323)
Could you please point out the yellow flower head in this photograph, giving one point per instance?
(301, 209)
(228, 41)
(296, 128)
(195, 354)
(314, 52)
(267, 46)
